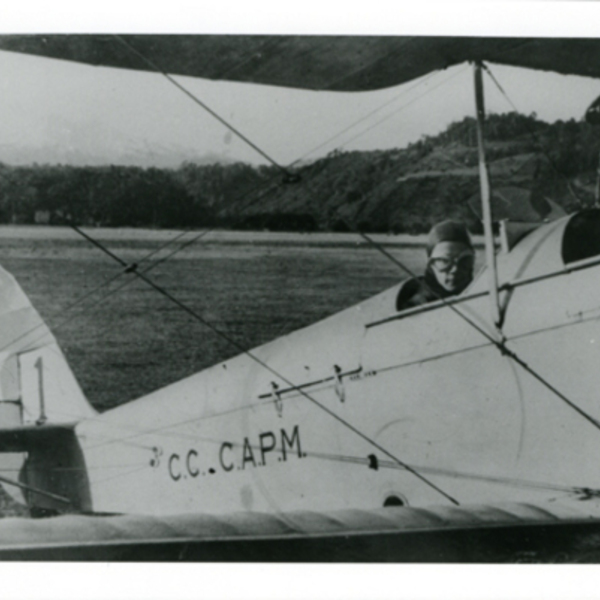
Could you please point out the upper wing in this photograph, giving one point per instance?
(336, 63)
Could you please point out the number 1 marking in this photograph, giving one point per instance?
(39, 365)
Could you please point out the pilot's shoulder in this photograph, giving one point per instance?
(413, 292)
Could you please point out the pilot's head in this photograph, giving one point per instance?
(451, 256)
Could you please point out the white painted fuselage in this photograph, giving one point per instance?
(427, 387)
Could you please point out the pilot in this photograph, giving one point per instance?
(450, 262)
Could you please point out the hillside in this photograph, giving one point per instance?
(400, 190)
(408, 190)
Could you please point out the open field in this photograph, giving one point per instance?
(124, 339)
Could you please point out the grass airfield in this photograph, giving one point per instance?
(123, 339)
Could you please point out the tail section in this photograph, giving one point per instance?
(36, 383)
(40, 402)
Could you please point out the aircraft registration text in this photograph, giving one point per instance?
(238, 456)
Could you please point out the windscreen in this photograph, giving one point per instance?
(582, 236)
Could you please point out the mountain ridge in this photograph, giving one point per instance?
(398, 190)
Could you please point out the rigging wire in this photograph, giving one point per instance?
(344, 459)
(34, 490)
(119, 475)
(233, 67)
(506, 481)
(193, 240)
(127, 270)
(133, 268)
(205, 232)
(42, 325)
(256, 359)
(536, 139)
(244, 208)
(365, 117)
(202, 104)
(403, 93)
(341, 458)
(499, 344)
(412, 101)
(267, 43)
(195, 437)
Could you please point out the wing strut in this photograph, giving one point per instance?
(484, 182)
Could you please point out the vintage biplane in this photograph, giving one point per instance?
(465, 429)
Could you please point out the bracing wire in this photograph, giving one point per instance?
(69, 307)
(205, 232)
(34, 490)
(412, 101)
(499, 344)
(128, 269)
(200, 103)
(360, 461)
(258, 198)
(133, 268)
(263, 364)
(535, 137)
(365, 117)
(351, 126)
(355, 460)
(244, 208)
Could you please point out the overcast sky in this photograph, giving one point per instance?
(56, 111)
(94, 115)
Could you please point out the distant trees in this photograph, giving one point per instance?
(395, 190)
(505, 127)
(111, 196)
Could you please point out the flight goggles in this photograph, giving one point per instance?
(465, 260)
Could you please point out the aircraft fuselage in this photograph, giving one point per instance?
(425, 386)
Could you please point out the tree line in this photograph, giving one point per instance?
(374, 191)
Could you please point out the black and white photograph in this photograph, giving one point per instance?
(288, 295)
